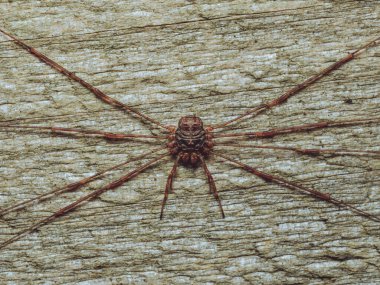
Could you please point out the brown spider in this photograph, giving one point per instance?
(190, 144)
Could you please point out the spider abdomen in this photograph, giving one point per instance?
(190, 143)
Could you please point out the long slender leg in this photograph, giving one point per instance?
(73, 186)
(43, 118)
(300, 128)
(83, 200)
(99, 94)
(295, 186)
(307, 151)
(169, 185)
(72, 131)
(291, 92)
(212, 185)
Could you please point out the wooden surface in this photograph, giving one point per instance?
(168, 59)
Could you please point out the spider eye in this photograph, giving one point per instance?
(186, 128)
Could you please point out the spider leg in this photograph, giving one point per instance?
(74, 132)
(212, 185)
(83, 200)
(73, 186)
(99, 94)
(307, 151)
(297, 187)
(300, 128)
(169, 185)
(291, 92)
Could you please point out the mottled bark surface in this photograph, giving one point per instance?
(170, 58)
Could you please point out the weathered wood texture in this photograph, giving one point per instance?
(170, 58)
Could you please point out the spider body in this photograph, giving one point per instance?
(190, 140)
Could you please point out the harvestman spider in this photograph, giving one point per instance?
(190, 144)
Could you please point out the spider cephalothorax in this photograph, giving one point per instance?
(190, 140)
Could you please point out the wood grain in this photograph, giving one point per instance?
(167, 59)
